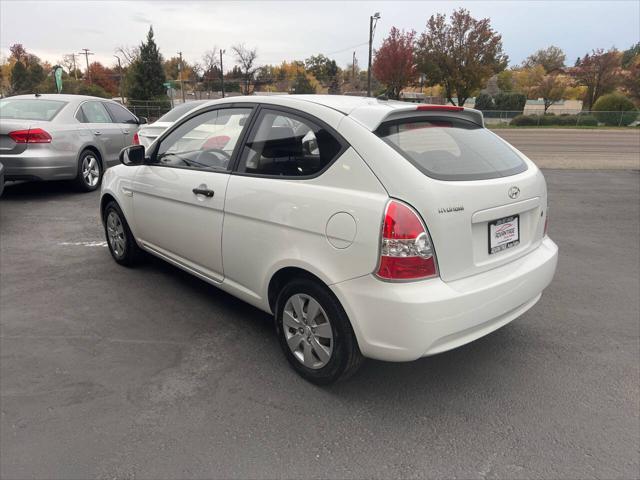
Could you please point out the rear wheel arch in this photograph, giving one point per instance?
(284, 276)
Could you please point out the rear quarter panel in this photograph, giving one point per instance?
(273, 223)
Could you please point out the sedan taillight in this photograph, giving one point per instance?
(32, 135)
(406, 250)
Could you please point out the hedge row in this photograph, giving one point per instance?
(554, 120)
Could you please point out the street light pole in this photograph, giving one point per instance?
(180, 76)
(120, 72)
(222, 72)
(372, 28)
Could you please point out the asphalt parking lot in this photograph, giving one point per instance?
(111, 372)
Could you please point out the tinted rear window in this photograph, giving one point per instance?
(451, 149)
(30, 109)
(176, 112)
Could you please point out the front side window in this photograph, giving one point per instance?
(451, 149)
(204, 142)
(120, 114)
(94, 112)
(286, 145)
(30, 109)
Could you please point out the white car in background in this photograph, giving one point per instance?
(368, 228)
(148, 133)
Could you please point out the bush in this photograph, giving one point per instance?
(513, 102)
(587, 120)
(484, 102)
(525, 120)
(551, 119)
(615, 109)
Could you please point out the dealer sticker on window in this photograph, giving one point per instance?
(504, 233)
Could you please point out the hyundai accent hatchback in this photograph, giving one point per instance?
(368, 228)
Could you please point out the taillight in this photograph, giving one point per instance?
(406, 251)
(136, 139)
(32, 135)
(439, 108)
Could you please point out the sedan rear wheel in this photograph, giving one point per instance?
(89, 171)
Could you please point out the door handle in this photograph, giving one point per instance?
(203, 191)
(97, 132)
(125, 132)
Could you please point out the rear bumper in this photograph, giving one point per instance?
(40, 165)
(406, 321)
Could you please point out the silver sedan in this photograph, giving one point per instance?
(61, 137)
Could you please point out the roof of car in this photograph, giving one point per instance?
(371, 112)
(64, 97)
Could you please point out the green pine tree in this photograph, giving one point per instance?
(147, 75)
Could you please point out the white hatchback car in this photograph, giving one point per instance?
(369, 228)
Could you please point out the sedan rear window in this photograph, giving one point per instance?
(30, 109)
(451, 149)
(176, 112)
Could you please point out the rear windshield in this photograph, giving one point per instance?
(451, 149)
(30, 109)
(175, 113)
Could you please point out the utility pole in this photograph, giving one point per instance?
(353, 69)
(120, 72)
(75, 69)
(222, 72)
(372, 28)
(86, 52)
(180, 76)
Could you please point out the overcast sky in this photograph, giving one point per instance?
(297, 29)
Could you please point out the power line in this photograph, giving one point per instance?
(86, 53)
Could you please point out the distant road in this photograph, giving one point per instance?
(579, 148)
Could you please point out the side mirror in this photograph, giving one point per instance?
(143, 120)
(132, 155)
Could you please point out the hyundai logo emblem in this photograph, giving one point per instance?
(514, 192)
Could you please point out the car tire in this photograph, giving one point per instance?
(120, 240)
(309, 350)
(90, 171)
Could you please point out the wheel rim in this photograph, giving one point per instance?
(307, 331)
(115, 234)
(90, 170)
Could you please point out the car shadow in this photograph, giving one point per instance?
(14, 191)
(466, 370)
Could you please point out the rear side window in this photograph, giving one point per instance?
(94, 112)
(287, 145)
(120, 114)
(30, 109)
(451, 149)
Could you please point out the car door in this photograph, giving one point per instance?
(126, 121)
(106, 135)
(178, 197)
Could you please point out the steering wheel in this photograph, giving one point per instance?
(220, 157)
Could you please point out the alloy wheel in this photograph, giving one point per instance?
(90, 170)
(307, 331)
(115, 233)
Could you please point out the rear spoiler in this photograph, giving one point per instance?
(372, 116)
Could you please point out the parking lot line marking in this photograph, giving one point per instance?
(85, 244)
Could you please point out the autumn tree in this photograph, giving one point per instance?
(460, 55)
(551, 58)
(246, 57)
(103, 77)
(394, 64)
(27, 72)
(526, 80)
(551, 89)
(211, 69)
(599, 72)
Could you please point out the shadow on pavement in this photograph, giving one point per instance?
(34, 190)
